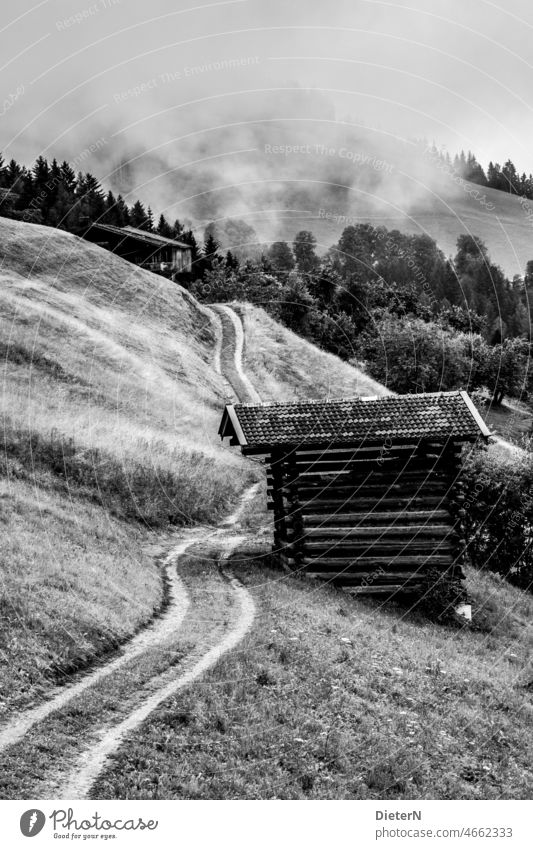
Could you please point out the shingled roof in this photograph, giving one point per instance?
(432, 416)
(140, 235)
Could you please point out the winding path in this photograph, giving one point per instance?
(207, 616)
(231, 355)
(90, 765)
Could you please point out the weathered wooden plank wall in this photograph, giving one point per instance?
(374, 518)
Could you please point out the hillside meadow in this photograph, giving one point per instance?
(335, 697)
(110, 407)
(109, 412)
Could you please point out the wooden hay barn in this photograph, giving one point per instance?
(365, 492)
(149, 250)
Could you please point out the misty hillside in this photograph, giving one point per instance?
(303, 170)
(507, 230)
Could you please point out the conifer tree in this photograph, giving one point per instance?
(138, 216)
(231, 261)
(178, 230)
(211, 251)
(68, 176)
(188, 237)
(164, 228)
(110, 215)
(122, 212)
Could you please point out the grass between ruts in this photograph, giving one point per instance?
(331, 697)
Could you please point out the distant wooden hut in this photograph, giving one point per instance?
(365, 492)
(149, 250)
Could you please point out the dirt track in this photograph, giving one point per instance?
(232, 347)
(60, 747)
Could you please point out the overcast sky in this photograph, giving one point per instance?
(456, 71)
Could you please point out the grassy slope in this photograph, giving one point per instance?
(127, 353)
(285, 367)
(109, 412)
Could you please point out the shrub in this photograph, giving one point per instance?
(219, 284)
(499, 515)
(411, 355)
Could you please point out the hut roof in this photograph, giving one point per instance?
(431, 416)
(140, 235)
